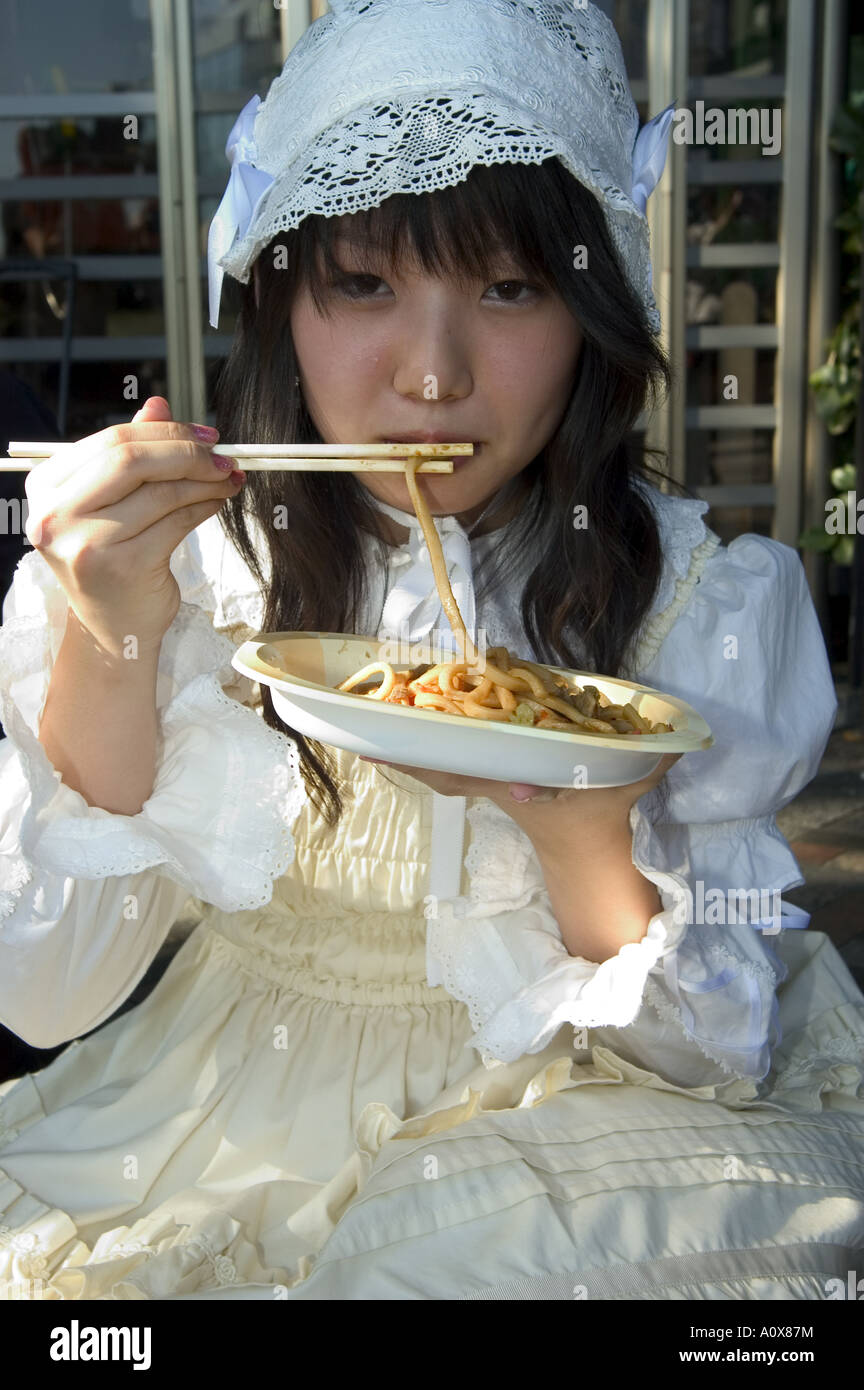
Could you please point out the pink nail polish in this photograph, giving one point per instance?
(206, 432)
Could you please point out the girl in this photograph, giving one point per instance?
(427, 1036)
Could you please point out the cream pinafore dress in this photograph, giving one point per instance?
(295, 1112)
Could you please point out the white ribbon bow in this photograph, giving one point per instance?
(240, 201)
(412, 608)
(649, 156)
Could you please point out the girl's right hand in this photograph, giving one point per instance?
(107, 513)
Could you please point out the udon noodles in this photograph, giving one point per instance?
(506, 689)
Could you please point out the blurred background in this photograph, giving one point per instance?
(113, 120)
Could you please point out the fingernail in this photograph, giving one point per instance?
(238, 476)
(224, 462)
(520, 793)
(206, 432)
(524, 792)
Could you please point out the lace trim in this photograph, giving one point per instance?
(722, 957)
(658, 628)
(467, 968)
(447, 960)
(824, 1047)
(526, 1019)
(834, 1050)
(17, 875)
(87, 847)
(32, 1260)
(26, 643)
(670, 1013)
(508, 1012)
(457, 975)
(222, 1268)
(681, 523)
(500, 861)
(238, 633)
(455, 97)
(96, 844)
(28, 1247)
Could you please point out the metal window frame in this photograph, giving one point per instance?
(803, 255)
(182, 265)
(178, 206)
(824, 280)
(792, 293)
(668, 26)
(187, 347)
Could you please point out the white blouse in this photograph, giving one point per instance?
(87, 897)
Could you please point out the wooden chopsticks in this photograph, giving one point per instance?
(308, 458)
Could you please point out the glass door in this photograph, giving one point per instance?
(113, 123)
(79, 188)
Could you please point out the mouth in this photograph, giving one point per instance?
(458, 462)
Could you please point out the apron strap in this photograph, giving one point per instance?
(447, 846)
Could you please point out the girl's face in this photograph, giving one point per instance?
(407, 352)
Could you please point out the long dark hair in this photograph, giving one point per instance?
(591, 588)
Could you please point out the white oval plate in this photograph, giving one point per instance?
(302, 669)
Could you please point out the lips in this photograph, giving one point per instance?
(428, 439)
(416, 438)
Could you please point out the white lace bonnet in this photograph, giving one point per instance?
(406, 96)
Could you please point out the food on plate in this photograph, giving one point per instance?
(503, 688)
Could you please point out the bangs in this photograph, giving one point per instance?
(463, 233)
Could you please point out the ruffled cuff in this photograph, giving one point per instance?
(719, 988)
(227, 786)
(500, 951)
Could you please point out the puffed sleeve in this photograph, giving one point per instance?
(87, 897)
(695, 999)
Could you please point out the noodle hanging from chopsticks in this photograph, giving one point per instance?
(507, 690)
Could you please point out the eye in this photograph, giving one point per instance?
(352, 286)
(359, 286)
(533, 290)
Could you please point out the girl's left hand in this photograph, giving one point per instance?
(545, 813)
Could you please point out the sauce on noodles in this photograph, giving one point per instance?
(504, 688)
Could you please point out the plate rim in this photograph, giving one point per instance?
(246, 660)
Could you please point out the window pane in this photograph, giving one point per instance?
(54, 46)
(724, 214)
(708, 372)
(741, 37)
(82, 227)
(84, 145)
(109, 308)
(731, 128)
(729, 457)
(96, 390)
(236, 48)
(727, 296)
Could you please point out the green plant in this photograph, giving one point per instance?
(836, 384)
(841, 547)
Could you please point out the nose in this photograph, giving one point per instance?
(434, 354)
